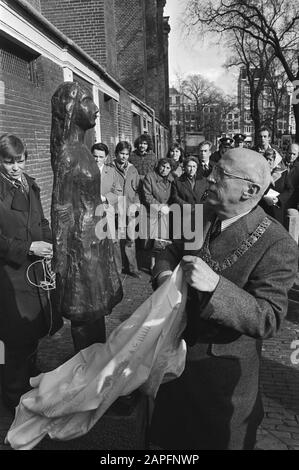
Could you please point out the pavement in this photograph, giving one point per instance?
(279, 369)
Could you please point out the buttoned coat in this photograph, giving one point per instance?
(24, 309)
(183, 193)
(110, 186)
(216, 402)
(156, 189)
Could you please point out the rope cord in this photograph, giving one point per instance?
(48, 283)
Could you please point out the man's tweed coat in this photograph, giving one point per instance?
(216, 403)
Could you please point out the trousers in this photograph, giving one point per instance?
(20, 365)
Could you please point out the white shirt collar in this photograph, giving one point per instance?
(227, 222)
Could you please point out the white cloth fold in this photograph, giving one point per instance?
(144, 351)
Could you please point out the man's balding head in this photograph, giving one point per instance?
(237, 182)
(293, 153)
(249, 164)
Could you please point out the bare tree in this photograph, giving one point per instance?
(273, 23)
(252, 55)
(206, 96)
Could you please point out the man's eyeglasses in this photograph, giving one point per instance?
(220, 172)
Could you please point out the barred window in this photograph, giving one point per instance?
(17, 61)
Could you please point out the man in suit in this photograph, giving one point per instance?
(237, 296)
(205, 152)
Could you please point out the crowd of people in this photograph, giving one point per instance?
(237, 281)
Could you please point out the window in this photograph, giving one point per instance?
(230, 116)
(236, 125)
(17, 61)
(177, 99)
(236, 116)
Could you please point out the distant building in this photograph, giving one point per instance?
(232, 122)
(189, 125)
(278, 119)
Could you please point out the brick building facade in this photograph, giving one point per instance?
(128, 38)
(35, 57)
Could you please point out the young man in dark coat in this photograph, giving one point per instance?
(25, 237)
(237, 296)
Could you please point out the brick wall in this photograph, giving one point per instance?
(83, 21)
(130, 40)
(142, 52)
(110, 30)
(125, 117)
(109, 121)
(26, 112)
(155, 85)
(136, 126)
(166, 31)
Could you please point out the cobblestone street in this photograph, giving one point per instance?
(279, 376)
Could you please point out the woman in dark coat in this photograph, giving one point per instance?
(25, 237)
(88, 284)
(188, 191)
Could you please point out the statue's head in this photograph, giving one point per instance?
(73, 104)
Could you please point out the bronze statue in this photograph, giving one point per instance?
(88, 284)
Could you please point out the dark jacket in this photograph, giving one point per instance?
(24, 309)
(284, 187)
(293, 178)
(183, 193)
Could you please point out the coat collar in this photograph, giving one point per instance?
(18, 200)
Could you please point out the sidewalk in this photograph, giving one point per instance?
(279, 376)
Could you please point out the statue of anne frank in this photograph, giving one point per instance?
(88, 285)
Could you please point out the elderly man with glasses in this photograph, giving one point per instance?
(237, 297)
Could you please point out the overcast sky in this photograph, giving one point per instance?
(188, 56)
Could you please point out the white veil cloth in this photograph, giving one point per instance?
(142, 352)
